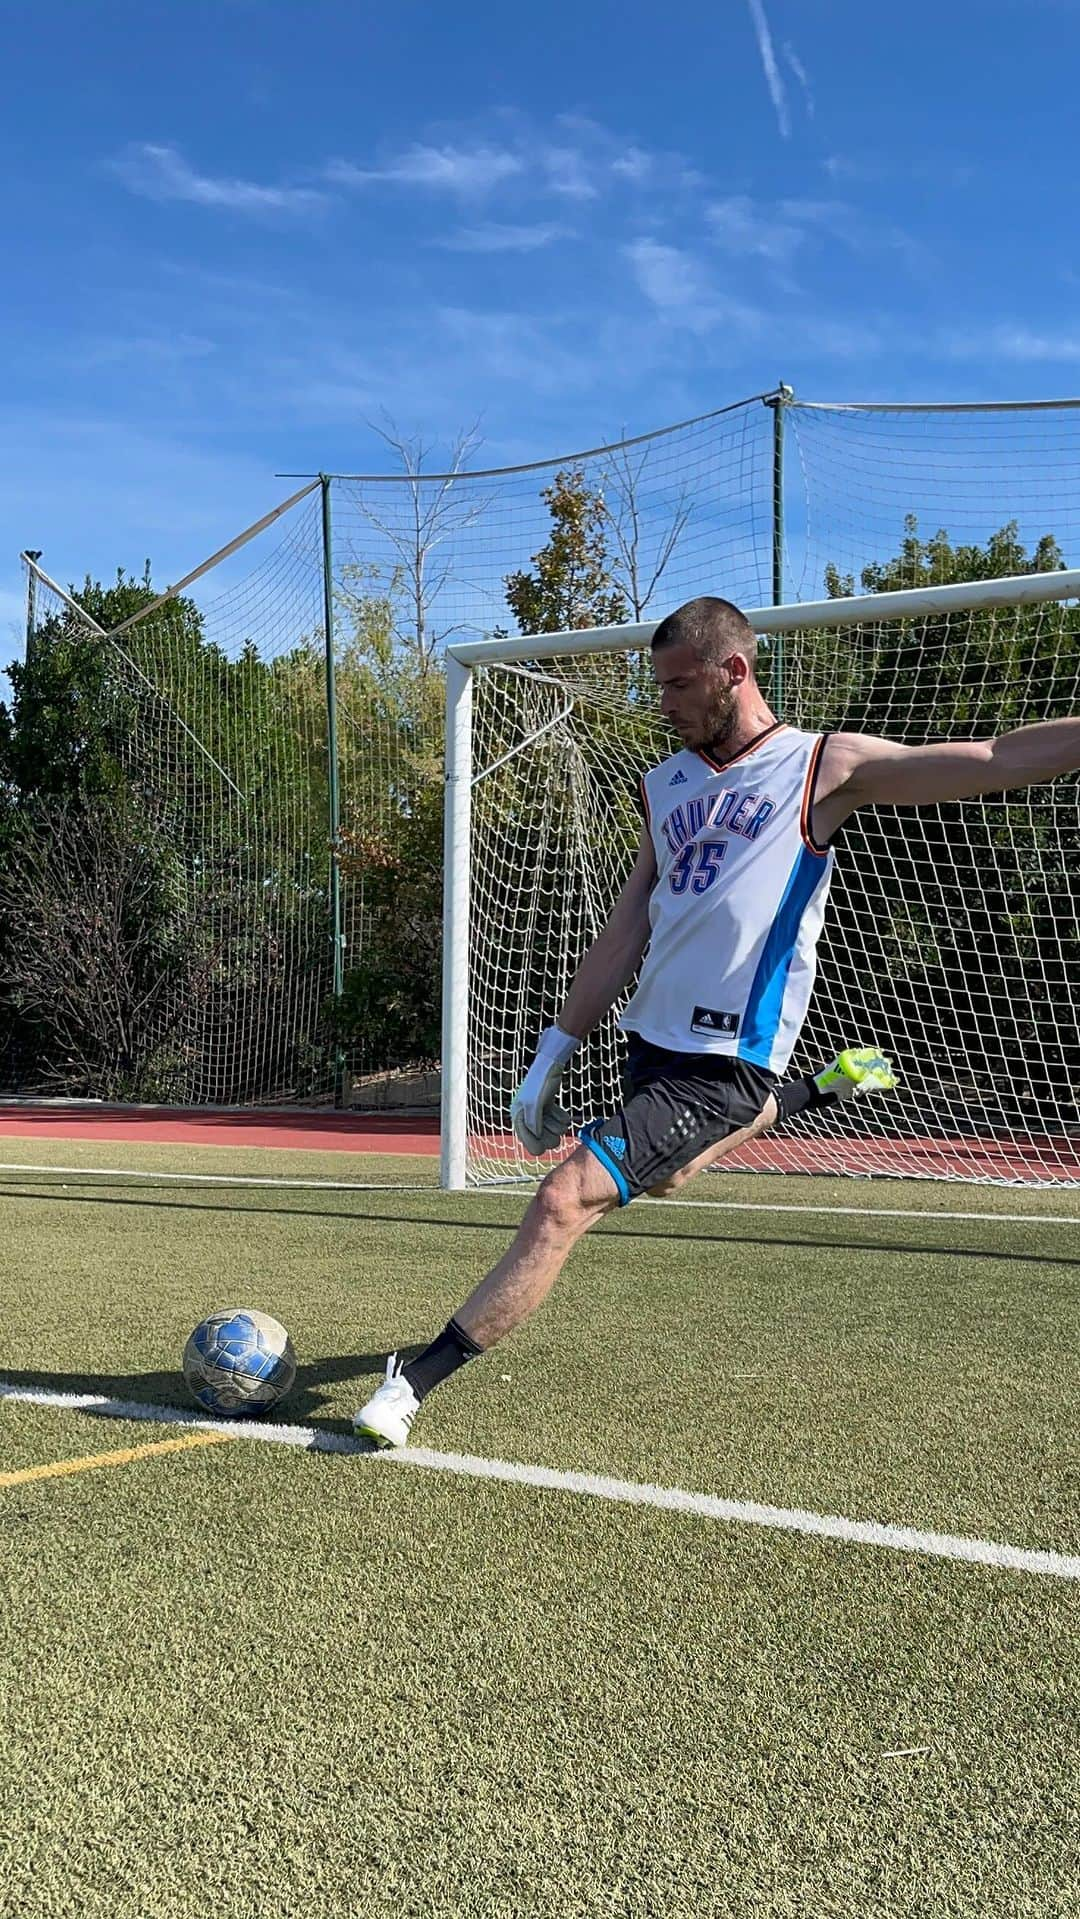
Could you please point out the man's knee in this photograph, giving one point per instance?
(574, 1195)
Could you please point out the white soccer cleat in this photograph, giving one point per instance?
(856, 1071)
(389, 1413)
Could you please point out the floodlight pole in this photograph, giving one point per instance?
(334, 821)
(778, 401)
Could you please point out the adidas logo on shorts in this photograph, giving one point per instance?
(615, 1146)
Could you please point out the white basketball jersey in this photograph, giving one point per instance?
(738, 903)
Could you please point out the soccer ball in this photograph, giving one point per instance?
(239, 1362)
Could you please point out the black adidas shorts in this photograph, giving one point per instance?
(675, 1106)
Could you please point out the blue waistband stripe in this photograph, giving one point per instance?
(588, 1138)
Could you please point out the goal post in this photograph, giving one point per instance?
(953, 936)
(456, 895)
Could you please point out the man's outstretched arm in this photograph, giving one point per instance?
(859, 769)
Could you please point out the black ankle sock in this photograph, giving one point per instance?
(443, 1357)
(798, 1094)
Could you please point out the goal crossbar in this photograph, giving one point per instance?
(1024, 589)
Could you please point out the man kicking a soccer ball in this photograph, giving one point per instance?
(727, 894)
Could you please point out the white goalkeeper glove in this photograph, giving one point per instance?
(535, 1114)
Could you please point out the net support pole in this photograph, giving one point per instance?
(31, 556)
(337, 937)
(456, 884)
(778, 401)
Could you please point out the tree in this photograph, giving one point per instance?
(437, 509)
(573, 585)
(972, 671)
(213, 771)
(937, 562)
(391, 700)
(64, 731)
(965, 917)
(102, 934)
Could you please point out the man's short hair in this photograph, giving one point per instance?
(711, 628)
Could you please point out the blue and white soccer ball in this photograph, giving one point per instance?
(239, 1361)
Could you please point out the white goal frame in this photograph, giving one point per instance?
(463, 660)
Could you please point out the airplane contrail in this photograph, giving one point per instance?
(799, 71)
(768, 61)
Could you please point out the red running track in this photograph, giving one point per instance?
(168, 1125)
(959, 1157)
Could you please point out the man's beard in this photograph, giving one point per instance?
(718, 721)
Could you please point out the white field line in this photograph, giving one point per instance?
(215, 1179)
(502, 1192)
(862, 1212)
(858, 1532)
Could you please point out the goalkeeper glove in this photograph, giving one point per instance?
(535, 1114)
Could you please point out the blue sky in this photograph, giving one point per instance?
(242, 233)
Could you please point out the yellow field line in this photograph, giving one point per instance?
(122, 1458)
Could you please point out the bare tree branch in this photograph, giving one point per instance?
(622, 481)
(92, 954)
(437, 511)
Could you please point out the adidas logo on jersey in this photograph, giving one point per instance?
(707, 1020)
(678, 779)
(616, 1146)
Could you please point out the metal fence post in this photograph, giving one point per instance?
(334, 821)
(31, 555)
(778, 401)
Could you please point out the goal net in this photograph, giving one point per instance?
(951, 940)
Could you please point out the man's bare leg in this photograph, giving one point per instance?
(571, 1199)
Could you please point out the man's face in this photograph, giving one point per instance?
(697, 697)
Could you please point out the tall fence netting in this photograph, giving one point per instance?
(169, 935)
(871, 490)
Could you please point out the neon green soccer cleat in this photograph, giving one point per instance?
(856, 1071)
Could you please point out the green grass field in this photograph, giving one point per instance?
(246, 1679)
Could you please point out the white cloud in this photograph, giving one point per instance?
(943, 170)
(634, 165)
(575, 159)
(492, 237)
(162, 173)
(681, 289)
(668, 276)
(834, 214)
(685, 293)
(567, 173)
(463, 170)
(777, 231)
(1010, 342)
(768, 61)
(160, 349)
(741, 225)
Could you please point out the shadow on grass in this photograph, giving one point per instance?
(447, 1223)
(305, 1402)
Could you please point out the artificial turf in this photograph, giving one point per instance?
(247, 1679)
